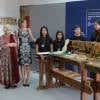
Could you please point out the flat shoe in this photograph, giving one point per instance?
(14, 86)
(7, 86)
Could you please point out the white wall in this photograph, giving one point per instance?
(39, 2)
(9, 8)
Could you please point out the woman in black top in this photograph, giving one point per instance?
(43, 44)
(59, 41)
(57, 46)
(96, 34)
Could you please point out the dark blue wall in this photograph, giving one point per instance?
(76, 14)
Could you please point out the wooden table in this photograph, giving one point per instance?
(68, 78)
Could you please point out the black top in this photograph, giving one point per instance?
(95, 36)
(44, 44)
(81, 38)
(58, 45)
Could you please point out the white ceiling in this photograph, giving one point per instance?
(39, 2)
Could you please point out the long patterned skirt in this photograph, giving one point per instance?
(9, 73)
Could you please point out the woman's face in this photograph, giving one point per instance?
(59, 36)
(96, 26)
(77, 31)
(44, 32)
(24, 24)
(8, 31)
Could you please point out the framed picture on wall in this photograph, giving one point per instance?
(8, 20)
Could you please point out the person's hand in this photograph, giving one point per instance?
(7, 45)
(10, 45)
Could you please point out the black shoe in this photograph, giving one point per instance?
(27, 85)
(13, 86)
(7, 86)
(24, 84)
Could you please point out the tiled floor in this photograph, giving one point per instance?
(30, 93)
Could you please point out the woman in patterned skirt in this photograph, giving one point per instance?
(9, 73)
(24, 36)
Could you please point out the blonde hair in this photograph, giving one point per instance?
(7, 27)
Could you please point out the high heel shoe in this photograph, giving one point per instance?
(27, 85)
(24, 83)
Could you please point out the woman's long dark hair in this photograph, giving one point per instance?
(62, 40)
(44, 27)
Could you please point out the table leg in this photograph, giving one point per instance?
(41, 69)
(83, 82)
(48, 73)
